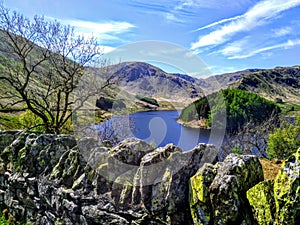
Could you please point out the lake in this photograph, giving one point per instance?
(159, 127)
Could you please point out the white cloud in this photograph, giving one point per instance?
(212, 3)
(282, 31)
(285, 45)
(219, 22)
(235, 47)
(185, 3)
(229, 50)
(258, 15)
(172, 18)
(110, 27)
(109, 31)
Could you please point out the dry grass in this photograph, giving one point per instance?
(270, 168)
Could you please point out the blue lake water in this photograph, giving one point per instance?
(161, 128)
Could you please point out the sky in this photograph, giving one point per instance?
(227, 35)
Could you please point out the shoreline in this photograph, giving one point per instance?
(192, 124)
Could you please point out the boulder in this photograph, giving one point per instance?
(127, 155)
(278, 201)
(261, 199)
(287, 191)
(6, 138)
(201, 209)
(218, 192)
(236, 175)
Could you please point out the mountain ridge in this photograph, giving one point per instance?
(283, 81)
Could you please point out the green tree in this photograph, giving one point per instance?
(237, 106)
(284, 141)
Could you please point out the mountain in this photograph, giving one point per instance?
(281, 84)
(214, 83)
(147, 80)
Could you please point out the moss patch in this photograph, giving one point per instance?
(261, 199)
(287, 191)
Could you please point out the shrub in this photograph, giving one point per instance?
(284, 141)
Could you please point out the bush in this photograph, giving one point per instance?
(284, 141)
(29, 120)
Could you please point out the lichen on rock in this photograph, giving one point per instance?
(261, 199)
(287, 191)
(48, 179)
(199, 194)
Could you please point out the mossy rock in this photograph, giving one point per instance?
(199, 194)
(78, 183)
(10, 153)
(6, 138)
(122, 189)
(261, 199)
(68, 169)
(287, 191)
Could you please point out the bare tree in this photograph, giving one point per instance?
(116, 129)
(251, 138)
(42, 63)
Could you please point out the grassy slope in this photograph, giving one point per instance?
(278, 83)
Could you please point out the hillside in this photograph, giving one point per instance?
(147, 80)
(238, 106)
(280, 83)
(227, 79)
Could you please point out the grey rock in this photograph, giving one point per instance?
(236, 175)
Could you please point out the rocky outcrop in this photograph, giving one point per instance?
(218, 193)
(54, 179)
(48, 179)
(278, 202)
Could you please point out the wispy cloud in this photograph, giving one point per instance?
(262, 13)
(171, 11)
(212, 3)
(106, 49)
(234, 47)
(282, 31)
(219, 23)
(108, 31)
(110, 27)
(286, 45)
(172, 18)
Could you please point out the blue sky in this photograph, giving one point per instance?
(227, 35)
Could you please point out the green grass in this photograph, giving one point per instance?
(10, 122)
(288, 108)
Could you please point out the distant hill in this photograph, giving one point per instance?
(148, 80)
(278, 84)
(281, 84)
(227, 79)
